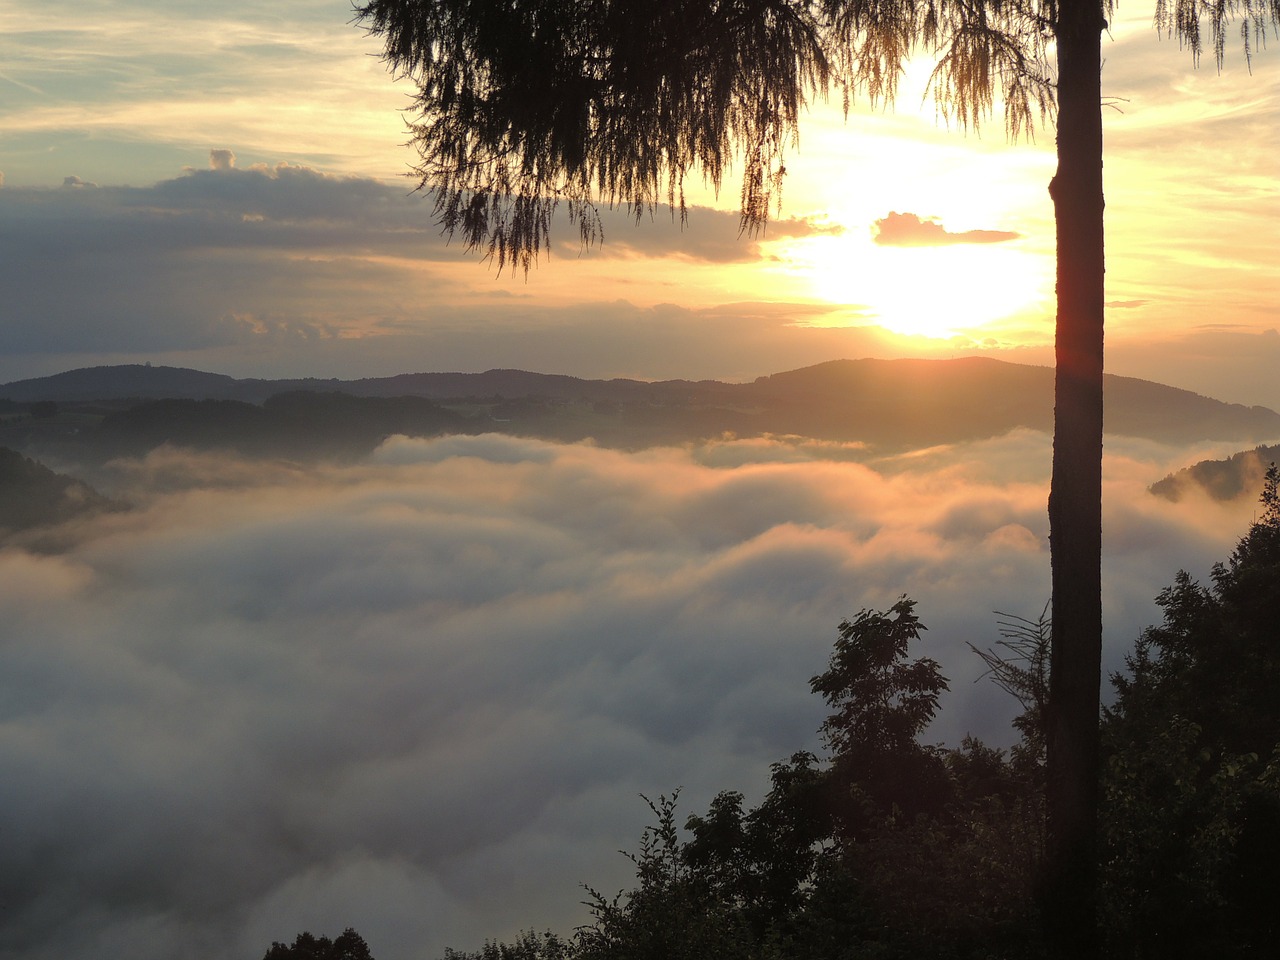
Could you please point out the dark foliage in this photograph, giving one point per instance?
(528, 946)
(1192, 779)
(349, 945)
(32, 495)
(882, 703)
(297, 424)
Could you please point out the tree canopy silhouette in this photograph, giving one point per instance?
(348, 945)
(527, 105)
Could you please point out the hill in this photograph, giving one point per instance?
(136, 381)
(887, 404)
(295, 424)
(1240, 475)
(32, 495)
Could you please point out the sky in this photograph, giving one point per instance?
(224, 187)
(423, 694)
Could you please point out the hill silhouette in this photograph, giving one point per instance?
(1236, 476)
(889, 405)
(32, 495)
(293, 424)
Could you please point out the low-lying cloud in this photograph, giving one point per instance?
(422, 695)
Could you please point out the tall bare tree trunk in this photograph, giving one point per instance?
(1075, 497)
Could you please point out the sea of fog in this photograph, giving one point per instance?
(422, 695)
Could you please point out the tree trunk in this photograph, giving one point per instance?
(1075, 497)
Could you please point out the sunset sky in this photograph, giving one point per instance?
(422, 693)
(222, 186)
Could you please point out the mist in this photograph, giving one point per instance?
(422, 695)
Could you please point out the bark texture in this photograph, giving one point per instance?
(1075, 499)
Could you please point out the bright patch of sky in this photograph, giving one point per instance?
(140, 93)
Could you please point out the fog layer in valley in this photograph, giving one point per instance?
(422, 695)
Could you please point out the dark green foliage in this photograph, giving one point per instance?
(348, 946)
(764, 860)
(882, 703)
(1215, 660)
(1192, 775)
(1175, 812)
(528, 946)
(675, 912)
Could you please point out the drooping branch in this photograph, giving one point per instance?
(523, 106)
(1184, 19)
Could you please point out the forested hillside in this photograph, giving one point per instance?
(32, 495)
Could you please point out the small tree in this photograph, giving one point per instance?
(674, 913)
(882, 703)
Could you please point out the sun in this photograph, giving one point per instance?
(931, 291)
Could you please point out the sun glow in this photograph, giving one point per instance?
(933, 291)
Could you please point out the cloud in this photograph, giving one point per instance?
(910, 230)
(708, 236)
(252, 260)
(420, 695)
(221, 160)
(171, 266)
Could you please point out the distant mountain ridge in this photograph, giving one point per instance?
(885, 403)
(138, 381)
(143, 382)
